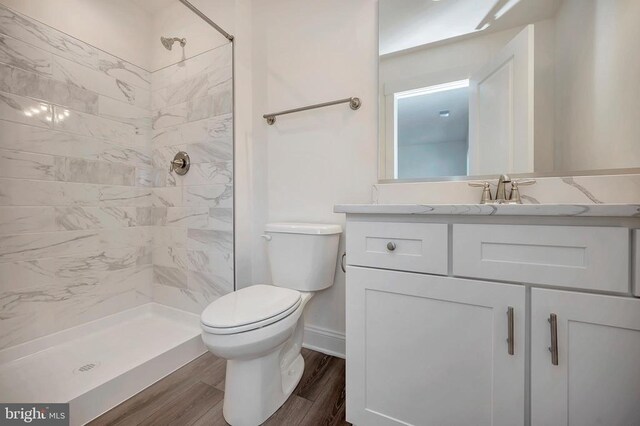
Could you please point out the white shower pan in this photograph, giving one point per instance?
(97, 365)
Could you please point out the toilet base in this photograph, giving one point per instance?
(253, 393)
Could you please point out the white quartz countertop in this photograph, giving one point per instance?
(596, 210)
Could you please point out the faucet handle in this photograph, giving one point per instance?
(486, 191)
(514, 197)
(523, 182)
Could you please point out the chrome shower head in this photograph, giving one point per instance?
(167, 42)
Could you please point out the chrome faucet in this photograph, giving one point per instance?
(501, 191)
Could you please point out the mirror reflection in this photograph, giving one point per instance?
(485, 87)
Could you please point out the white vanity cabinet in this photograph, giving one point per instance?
(429, 350)
(597, 377)
(431, 318)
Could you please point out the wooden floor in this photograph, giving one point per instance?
(193, 395)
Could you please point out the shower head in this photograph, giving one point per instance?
(167, 42)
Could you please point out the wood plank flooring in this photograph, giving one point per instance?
(193, 395)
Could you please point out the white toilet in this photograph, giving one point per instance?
(259, 329)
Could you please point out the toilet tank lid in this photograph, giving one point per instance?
(304, 228)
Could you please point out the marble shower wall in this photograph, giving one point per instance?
(76, 213)
(192, 105)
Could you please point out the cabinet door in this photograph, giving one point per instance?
(427, 350)
(597, 377)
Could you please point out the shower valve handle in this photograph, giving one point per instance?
(180, 163)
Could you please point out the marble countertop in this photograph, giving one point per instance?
(593, 210)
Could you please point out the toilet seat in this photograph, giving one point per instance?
(249, 308)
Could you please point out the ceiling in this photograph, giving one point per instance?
(419, 120)
(405, 24)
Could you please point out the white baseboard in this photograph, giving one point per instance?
(325, 341)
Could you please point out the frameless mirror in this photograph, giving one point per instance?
(471, 88)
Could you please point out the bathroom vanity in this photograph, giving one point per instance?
(492, 314)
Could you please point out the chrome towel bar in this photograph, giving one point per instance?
(354, 103)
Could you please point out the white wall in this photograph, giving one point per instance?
(116, 26)
(306, 52)
(597, 90)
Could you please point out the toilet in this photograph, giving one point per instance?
(259, 329)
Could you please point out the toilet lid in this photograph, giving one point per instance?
(257, 304)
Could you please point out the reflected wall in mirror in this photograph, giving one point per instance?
(485, 87)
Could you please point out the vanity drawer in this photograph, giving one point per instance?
(416, 247)
(593, 258)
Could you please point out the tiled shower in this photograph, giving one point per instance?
(92, 223)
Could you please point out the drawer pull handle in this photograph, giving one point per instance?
(391, 246)
(553, 323)
(510, 332)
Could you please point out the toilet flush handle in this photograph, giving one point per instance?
(266, 237)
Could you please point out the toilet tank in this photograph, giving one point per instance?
(302, 256)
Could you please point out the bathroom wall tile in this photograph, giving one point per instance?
(151, 216)
(201, 152)
(25, 83)
(91, 267)
(167, 197)
(204, 174)
(185, 70)
(210, 286)
(83, 218)
(217, 263)
(219, 102)
(25, 316)
(90, 302)
(124, 71)
(46, 38)
(208, 195)
(97, 302)
(24, 56)
(97, 127)
(149, 177)
(17, 192)
(124, 196)
(46, 141)
(34, 246)
(97, 81)
(15, 220)
(174, 277)
(170, 236)
(24, 165)
(68, 270)
(188, 217)
(172, 257)
(54, 244)
(211, 241)
(221, 219)
(197, 87)
(179, 298)
(124, 112)
(98, 172)
(211, 130)
(24, 110)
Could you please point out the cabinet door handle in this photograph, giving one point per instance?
(553, 324)
(391, 246)
(510, 341)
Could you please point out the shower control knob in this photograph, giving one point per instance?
(180, 163)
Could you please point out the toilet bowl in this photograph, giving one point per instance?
(259, 329)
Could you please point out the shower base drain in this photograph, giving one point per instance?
(87, 367)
